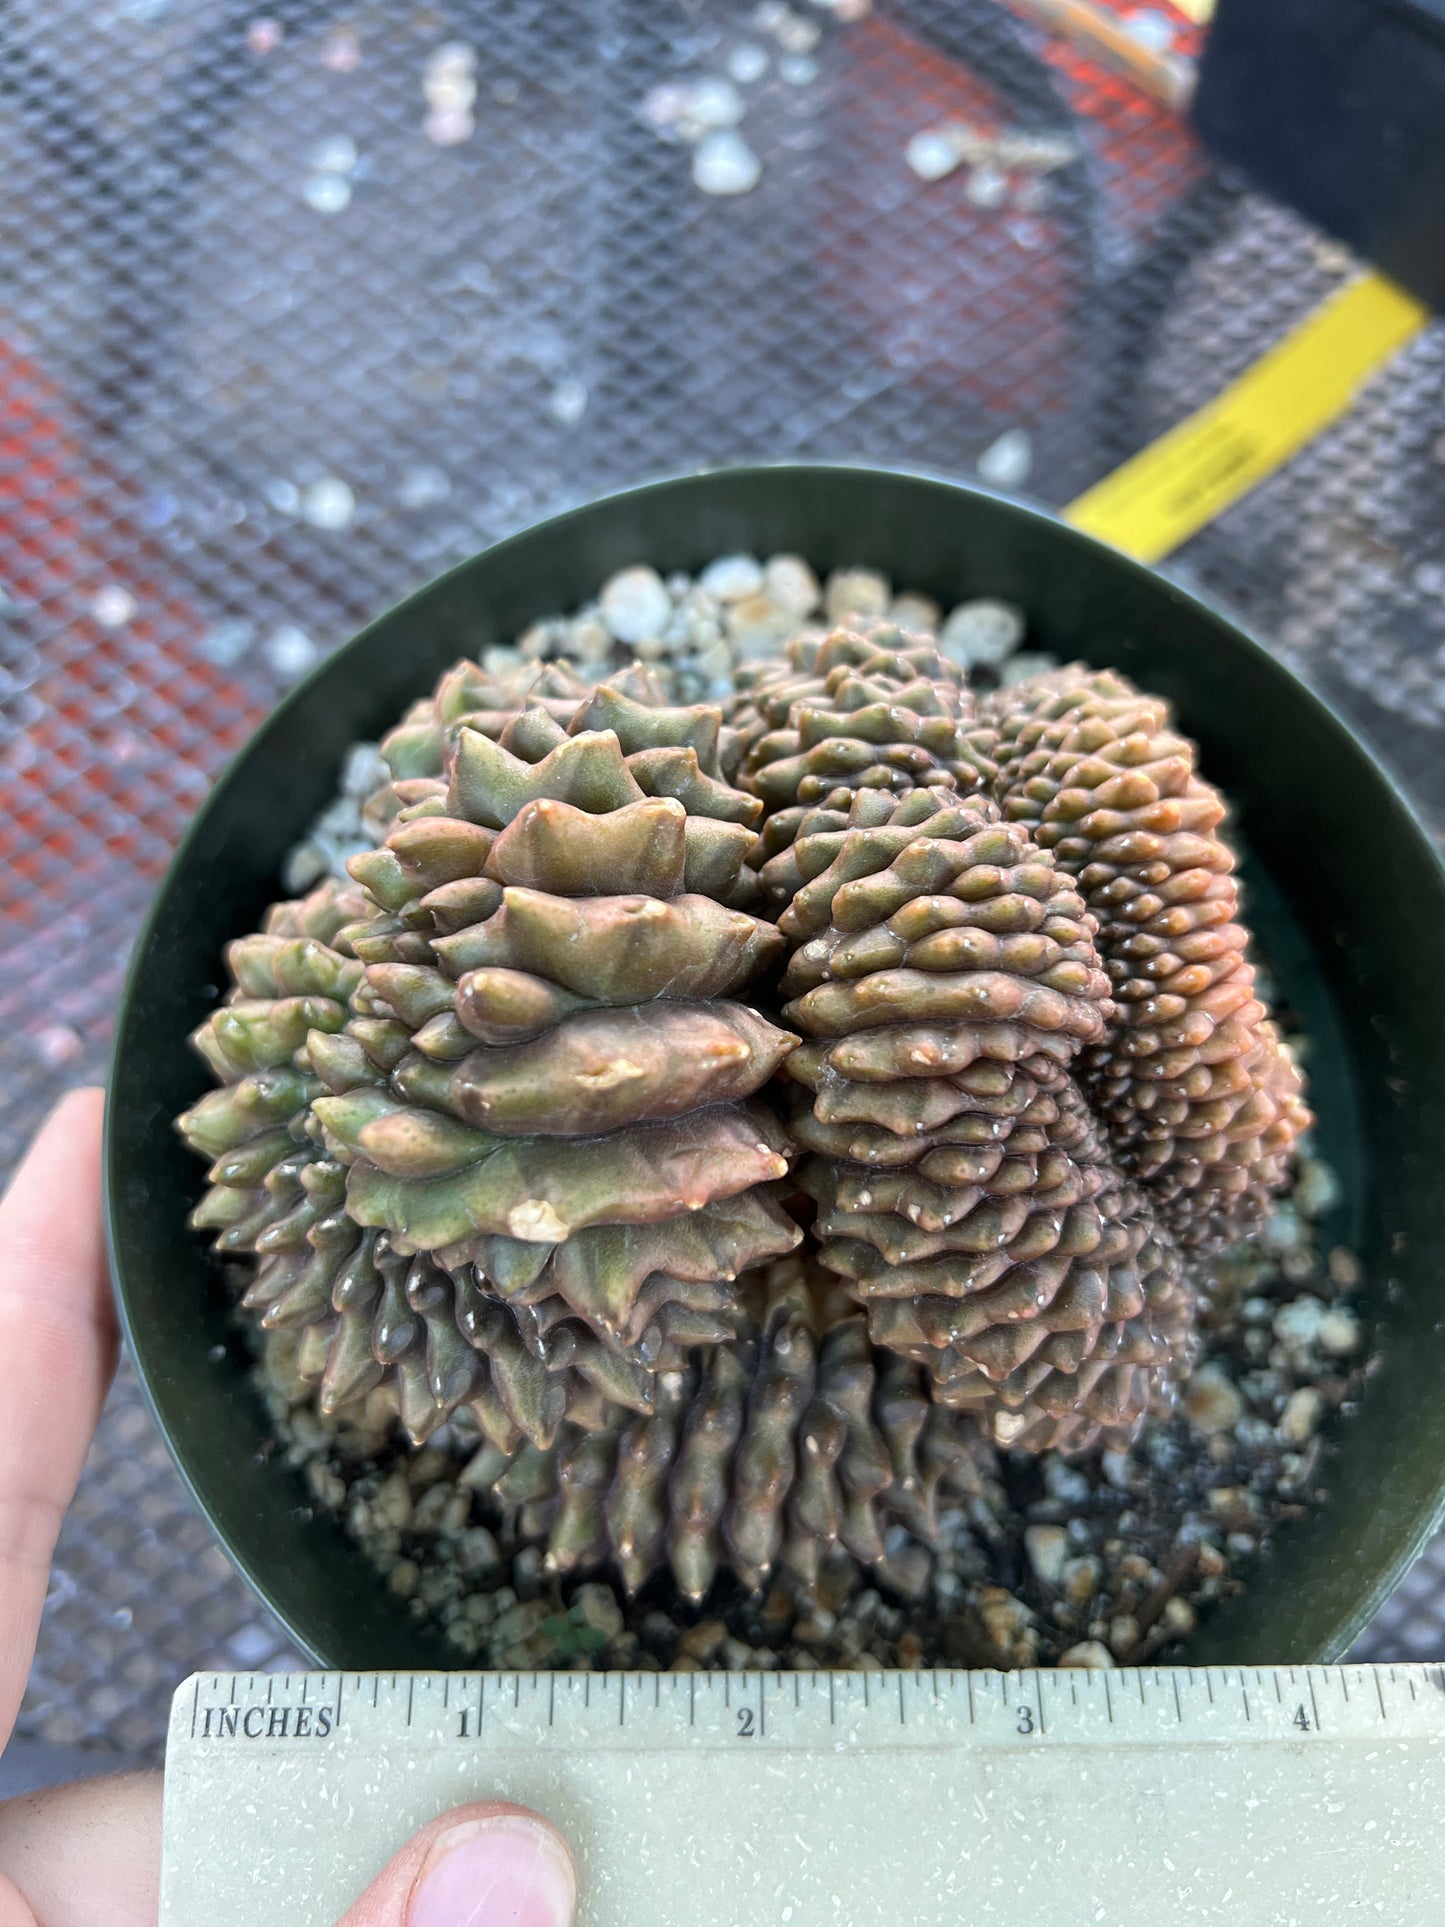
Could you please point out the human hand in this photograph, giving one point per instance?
(89, 1855)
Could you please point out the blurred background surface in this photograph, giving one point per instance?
(300, 306)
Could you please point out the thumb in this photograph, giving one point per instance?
(485, 1865)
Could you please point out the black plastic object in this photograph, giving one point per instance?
(1346, 892)
(1338, 108)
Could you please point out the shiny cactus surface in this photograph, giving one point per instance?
(951, 1000)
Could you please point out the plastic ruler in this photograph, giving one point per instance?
(1290, 1796)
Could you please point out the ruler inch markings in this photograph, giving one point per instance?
(944, 1711)
(604, 1771)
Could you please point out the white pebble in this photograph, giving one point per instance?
(748, 63)
(932, 154)
(543, 639)
(1123, 1633)
(228, 641)
(336, 155)
(982, 633)
(1118, 1469)
(864, 593)
(1179, 1616)
(1064, 1481)
(1004, 1615)
(1047, 1548)
(1339, 1333)
(1297, 1324)
(1006, 462)
(635, 604)
(792, 584)
(664, 109)
(422, 487)
(501, 661)
(987, 186)
(291, 652)
(393, 1502)
(1344, 1268)
(919, 614)
(569, 400)
(363, 771)
(1302, 1413)
(1212, 1401)
(588, 641)
(1316, 1189)
(1283, 1231)
(449, 126)
(1024, 665)
(758, 627)
(113, 606)
(795, 34)
(713, 103)
(725, 164)
(1080, 1578)
(1090, 1654)
(732, 578)
(450, 89)
(799, 70)
(328, 503)
(328, 193)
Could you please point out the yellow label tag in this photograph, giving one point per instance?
(1201, 12)
(1177, 485)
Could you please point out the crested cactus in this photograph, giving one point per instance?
(1200, 1099)
(503, 1120)
(880, 711)
(765, 1455)
(497, 1143)
(947, 972)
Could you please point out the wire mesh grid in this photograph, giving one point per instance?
(300, 307)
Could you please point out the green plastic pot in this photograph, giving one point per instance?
(1346, 893)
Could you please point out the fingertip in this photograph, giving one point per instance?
(488, 1860)
(503, 1863)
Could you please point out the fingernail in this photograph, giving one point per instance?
(484, 1873)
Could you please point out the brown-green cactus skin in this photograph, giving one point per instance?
(503, 1122)
(947, 973)
(495, 1139)
(880, 711)
(764, 1456)
(1199, 1097)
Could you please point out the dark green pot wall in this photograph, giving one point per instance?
(1345, 890)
